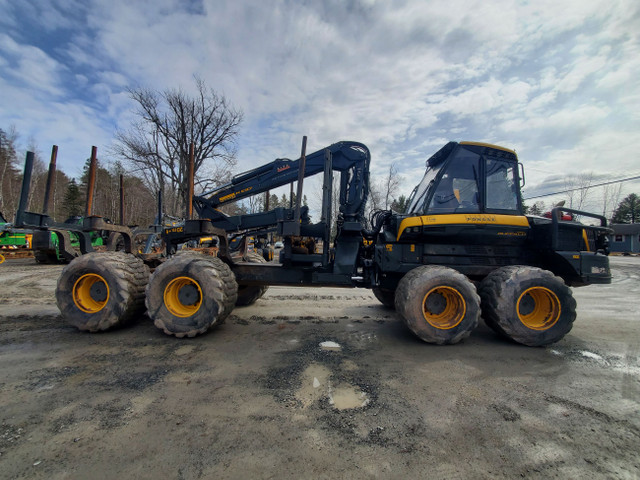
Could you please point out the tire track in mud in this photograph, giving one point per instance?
(31, 323)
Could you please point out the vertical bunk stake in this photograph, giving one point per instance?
(92, 182)
(190, 179)
(50, 180)
(303, 163)
(26, 184)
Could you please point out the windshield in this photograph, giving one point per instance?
(419, 195)
(458, 188)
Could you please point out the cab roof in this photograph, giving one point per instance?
(477, 147)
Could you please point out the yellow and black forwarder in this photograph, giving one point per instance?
(463, 249)
(465, 227)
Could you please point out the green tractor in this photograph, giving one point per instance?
(46, 244)
(13, 243)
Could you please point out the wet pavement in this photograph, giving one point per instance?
(321, 383)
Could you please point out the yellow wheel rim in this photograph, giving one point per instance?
(90, 293)
(183, 297)
(538, 308)
(444, 307)
(1, 258)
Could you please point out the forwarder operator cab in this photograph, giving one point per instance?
(468, 177)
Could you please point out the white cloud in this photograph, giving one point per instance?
(30, 67)
(582, 68)
(554, 80)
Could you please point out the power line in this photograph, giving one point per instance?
(637, 177)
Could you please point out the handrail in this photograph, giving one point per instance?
(556, 220)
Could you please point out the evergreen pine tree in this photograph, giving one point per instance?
(72, 203)
(628, 211)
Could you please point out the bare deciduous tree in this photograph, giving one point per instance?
(578, 189)
(316, 201)
(391, 184)
(610, 198)
(382, 193)
(158, 142)
(9, 173)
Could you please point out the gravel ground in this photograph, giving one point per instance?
(315, 383)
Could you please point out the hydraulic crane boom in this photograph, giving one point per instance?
(350, 158)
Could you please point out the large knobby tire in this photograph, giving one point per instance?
(230, 287)
(249, 294)
(226, 275)
(99, 291)
(386, 296)
(529, 305)
(438, 304)
(190, 293)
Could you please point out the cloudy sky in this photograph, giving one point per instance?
(556, 80)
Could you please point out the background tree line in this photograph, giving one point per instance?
(153, 156)
(68, 196)
(626, 211)
(581, 191)
(11, 172)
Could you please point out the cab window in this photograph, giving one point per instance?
(457, 189)
(501, 185)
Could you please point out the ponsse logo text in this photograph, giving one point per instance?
(481, 218)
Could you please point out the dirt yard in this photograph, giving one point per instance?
(315, 383)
